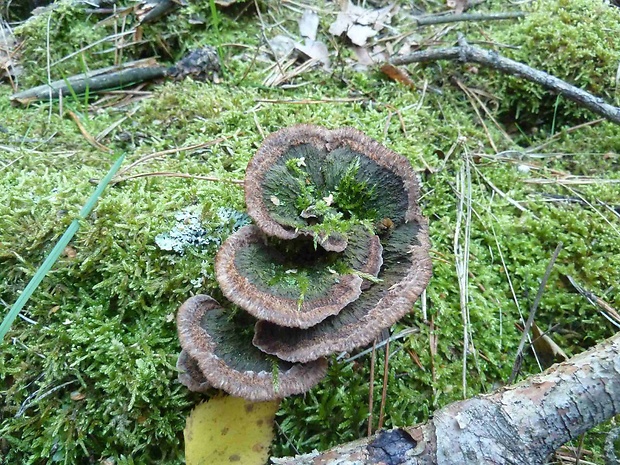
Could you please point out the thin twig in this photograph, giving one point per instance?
(467, 53)
(371, 389)
(452, 18)
(168, 174)
(530, 319)
(386, 364)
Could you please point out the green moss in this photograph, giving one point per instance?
(568, 39)
(58, 31)
(104, 318)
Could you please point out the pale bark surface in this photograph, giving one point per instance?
(520, 424)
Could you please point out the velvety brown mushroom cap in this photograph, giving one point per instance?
(216, 343)
(292, 283)
(304, 175)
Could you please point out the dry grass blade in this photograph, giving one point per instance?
(163, 153)
(168, 174)
(606, 310)
(512, 290)
(503, 195)
(572, 181)
(113, 37)
(311, 101)
(560, 134)
(599, 213)
(461, 254)
(473, 105)
(90, 139)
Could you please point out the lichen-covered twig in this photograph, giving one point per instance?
(468, 53)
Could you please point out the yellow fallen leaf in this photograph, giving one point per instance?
(229, 430)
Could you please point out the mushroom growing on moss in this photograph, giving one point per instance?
(216, 353)
(338, 252)
(308, 180)
(290, 283)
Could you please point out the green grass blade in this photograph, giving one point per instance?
(57, 250)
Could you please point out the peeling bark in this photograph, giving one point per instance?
(518, 424)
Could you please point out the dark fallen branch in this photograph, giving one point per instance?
(521, 424)
(201, 64)
(112, 77)
(452, 18)
(467, 53)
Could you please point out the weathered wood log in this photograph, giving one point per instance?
(521, 424)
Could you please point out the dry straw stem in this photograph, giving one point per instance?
(168, 174)
(468, 53)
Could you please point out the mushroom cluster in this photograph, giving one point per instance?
(338, 251)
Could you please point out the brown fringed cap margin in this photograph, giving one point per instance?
(260, 277)
(313, 159)
(228, 361)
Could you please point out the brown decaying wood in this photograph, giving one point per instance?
(519, 424)
(468, 53)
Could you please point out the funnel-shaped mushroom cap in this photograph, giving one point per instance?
(308, 180)
(226, 359)
(405, 273)
(293, 283)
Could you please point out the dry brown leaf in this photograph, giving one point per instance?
(315, 50)
(548, 351)
(397, 74)
(457, 5)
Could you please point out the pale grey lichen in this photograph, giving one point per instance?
(191, 231)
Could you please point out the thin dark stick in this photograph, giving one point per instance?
(444, 19)
(528, 324)
(110, 78)
(468, 53)
(371, 389)
(386, 364)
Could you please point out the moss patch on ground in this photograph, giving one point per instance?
(92, 375)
